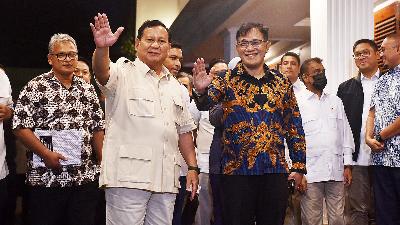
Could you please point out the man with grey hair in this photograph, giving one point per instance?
(59, 119)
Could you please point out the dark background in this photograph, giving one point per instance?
(27, 25)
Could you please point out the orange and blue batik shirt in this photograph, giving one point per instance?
(259, 115)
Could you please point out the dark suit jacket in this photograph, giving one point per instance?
(352, 95)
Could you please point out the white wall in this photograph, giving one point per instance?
(166, 11)
(335, 26)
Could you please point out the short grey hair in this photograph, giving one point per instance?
(183, 74)
(60, 38)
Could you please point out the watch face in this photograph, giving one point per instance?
(378, 138)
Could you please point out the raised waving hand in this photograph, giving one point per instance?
(200, 77)
(102, 33)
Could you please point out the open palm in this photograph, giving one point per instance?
(201, 79)
(102, 34)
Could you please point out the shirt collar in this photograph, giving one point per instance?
(308, 94)
(241, 70)
(52, 77)
(374, 77)
(146, 69)
(297, 83)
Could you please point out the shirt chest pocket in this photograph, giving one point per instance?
(140, 103)
(334, 118)
(311, 124)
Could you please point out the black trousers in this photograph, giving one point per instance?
(387, 195)
(63, 206)
(3, 199)
(261, 199)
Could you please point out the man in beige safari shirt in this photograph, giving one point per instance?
(146, 120)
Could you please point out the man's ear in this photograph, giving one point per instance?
(136, 44)
(49, 59)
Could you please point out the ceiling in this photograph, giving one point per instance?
(202, 25)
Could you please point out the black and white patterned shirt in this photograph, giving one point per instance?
(45, 104)
(386, 100)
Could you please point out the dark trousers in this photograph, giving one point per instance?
(179, 201)
(261, 199)
(66, 206)
(184, 209)
(3, 199)
(216, 189)
(387, 195)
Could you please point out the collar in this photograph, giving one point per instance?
(297, 84)
(145, 69)
(308, 94)
(52, 77)
(374, 77)
(241, 70)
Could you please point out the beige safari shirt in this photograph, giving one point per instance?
(144, 116)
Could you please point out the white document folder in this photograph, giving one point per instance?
(66, 142)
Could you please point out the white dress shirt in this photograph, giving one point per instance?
(364, 156)
(329, 139)
(203, 141)
(5, 99)
(298, 88)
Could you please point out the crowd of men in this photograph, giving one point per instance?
(242, 145)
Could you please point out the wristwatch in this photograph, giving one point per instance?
(379, 138)
(195, 168)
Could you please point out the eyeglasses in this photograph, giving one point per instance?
(64, 55)
(358, 55)
(255, 43)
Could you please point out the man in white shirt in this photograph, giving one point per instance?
(356, 96)
(290, 67)
(329, 147)
(146, 121)
(5, 114)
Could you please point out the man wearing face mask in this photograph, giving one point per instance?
(329, 147)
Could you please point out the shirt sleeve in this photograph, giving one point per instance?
(215, 93)
(185, 122)
(110, 87)
(216, 113)
(25, 109)
(97, 113)
(374, 96)
(295, 137)
(5, 91)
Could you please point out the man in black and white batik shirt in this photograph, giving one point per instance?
(59, 119)
(383, 135)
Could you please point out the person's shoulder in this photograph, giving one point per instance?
(126, 63)
(348, 81)
(42, 78)
(275, 72)
(334, 98)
